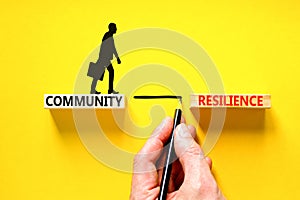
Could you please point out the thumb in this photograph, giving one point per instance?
(189, 152)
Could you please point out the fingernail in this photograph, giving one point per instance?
(183, 131)
(163, 123)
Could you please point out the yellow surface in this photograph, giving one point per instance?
(255, 45)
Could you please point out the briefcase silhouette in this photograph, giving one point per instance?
(96, 70)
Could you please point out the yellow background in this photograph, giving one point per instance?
(254, 44)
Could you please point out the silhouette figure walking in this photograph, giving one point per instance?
(107, 50)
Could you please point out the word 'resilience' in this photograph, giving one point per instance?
(234, 100)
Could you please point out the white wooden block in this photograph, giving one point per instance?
(69, 101)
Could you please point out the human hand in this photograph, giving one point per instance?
(118, 60)
(191, 177)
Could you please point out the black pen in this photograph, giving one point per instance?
(170, 157)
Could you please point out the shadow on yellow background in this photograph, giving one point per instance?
(63, 119)
(237, 119)
(66, 126)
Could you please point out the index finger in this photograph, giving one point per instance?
(150, 152)
(158, 138)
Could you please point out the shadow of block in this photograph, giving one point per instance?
(236, 118)
(63, 119)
